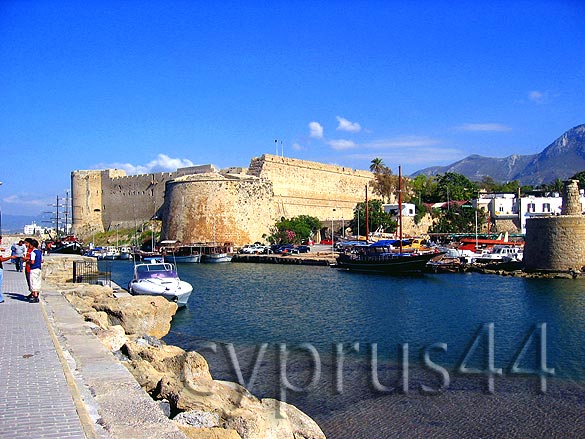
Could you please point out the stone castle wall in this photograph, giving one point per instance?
(203, 204)
(557, 243)
(105, 199)
(241, 208)
(308, 188)
(216, 208)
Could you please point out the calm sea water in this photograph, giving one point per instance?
(315, 308)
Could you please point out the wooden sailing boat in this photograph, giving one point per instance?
(382, 257)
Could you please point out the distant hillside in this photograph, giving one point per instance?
(16, 223)
(561, 159)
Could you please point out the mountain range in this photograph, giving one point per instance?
(561, 159)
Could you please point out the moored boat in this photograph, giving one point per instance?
(382, 257)
(160, 279)
(69, 245)
(188, 254)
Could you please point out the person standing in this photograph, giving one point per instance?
(2, 259)
(19, 253)
(34, 262)
(29, 249)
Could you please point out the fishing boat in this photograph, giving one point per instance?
(68, 245)
(382, 257)
(215, 253)
(160, 279)
(187, 254)
(387, 256)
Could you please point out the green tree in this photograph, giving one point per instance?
(458, 219)
(376, 218)
(423, 188)
(377, 165)
(555, 186)
(294, 230)
(452, 186)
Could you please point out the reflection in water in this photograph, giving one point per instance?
(253, 304)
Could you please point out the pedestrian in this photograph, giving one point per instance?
(2, 259)
(29, 249)
(34, 262)
(19, 253)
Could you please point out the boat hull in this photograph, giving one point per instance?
(178, 293)
(191, 259)
(391, 264)
(72, 248)
(217, 258)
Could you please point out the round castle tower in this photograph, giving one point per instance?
(557, 243)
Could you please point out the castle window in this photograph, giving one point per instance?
(546, 207)
(531, 208)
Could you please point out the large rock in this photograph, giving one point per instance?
(113, 338)
(138, 315)
(286, 421)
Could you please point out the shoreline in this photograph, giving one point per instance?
(138, 374)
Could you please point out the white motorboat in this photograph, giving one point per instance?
(160, 279)
(501, 253)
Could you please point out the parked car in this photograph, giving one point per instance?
(289, 251)
(252, 249)
(304, 249)
(284, 248)
(326, 242)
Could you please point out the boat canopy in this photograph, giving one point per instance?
(391, 242)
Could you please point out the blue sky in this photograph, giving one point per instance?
(155, 85)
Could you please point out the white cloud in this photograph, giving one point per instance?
(297, 147)
(494, 127)
(316, 130)
(538, 97)
(162, 162)
(346, 125)
(341, 144)
(402, 142)
(19, 199)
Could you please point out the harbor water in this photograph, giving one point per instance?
(360, 352)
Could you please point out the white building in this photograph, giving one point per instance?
(510, 207)
(408, 209)
(32, 229)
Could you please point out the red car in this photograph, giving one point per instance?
(326, 242)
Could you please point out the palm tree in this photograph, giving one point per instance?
(377, 165)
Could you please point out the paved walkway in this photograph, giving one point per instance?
(35, 398)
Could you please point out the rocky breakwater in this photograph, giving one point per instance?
(131, 328)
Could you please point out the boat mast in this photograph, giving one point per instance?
(367, 216)
(400, 205)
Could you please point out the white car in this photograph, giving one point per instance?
(253, 249)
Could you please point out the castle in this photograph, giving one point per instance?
(204, 204)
